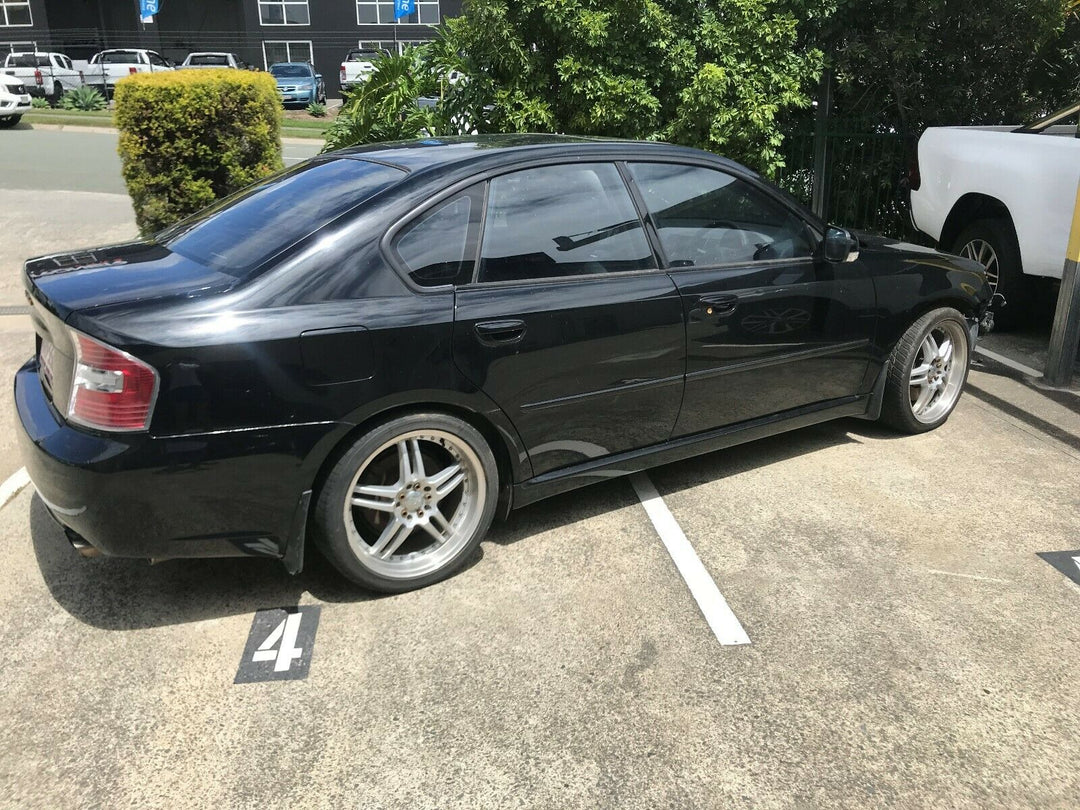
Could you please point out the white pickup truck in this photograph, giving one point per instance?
(46, 75)
(1003, 196)
(357, 67)
(105, 69)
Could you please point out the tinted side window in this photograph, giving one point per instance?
(707, 217)
(440, 246)
(557, 221)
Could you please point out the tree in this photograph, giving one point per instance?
(917, 63)
(718, 75)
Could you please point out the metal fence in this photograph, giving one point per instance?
(863, 173)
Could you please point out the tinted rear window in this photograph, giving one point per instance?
(208, 59)
(120, 58)
(28, 60)
(243, 231)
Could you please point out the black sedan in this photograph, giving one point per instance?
(383, 348)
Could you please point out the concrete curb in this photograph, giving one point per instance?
(114, 131)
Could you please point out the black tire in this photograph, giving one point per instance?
(897, 408)
(1012, 284)
(10, 121)
(473, 512)
(57, 95)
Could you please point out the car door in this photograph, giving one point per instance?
(568, 324)
(770, 327)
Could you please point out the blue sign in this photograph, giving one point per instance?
(148, 8)
(403, 8)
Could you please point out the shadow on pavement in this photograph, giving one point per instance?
(123, 594)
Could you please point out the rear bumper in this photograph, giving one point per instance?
(209, 495)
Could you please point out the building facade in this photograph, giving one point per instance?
(260, 32)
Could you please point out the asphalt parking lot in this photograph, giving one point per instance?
(908, 646)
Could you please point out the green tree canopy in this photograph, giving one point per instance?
(718, 75)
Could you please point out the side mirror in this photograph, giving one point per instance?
(840, 246)
(318, 77)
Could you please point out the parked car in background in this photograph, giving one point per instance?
(357, 67)
(1003, 196)
(382, 348)
(106, 68)
(298, 83)
(14, 101)
(209, 59)
(44, 74)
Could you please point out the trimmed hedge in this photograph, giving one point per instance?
(190, 137)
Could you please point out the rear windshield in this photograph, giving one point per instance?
(290, 70)
(120, 58)
(28, 60)
(241, 232)
(362, 56)
(208, 59)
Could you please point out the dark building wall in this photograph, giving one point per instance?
(82, 27)
(20, 35)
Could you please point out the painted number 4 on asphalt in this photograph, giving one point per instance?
(279, 645)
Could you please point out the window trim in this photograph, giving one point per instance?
(396, 21)
(5, 4)
(287, 42)
(283, 3)
(485, 175)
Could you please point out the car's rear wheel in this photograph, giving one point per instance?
(927, 371)
(57, 95)
(993, 244)
(408, 503)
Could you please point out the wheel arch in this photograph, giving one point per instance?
(500, 436)
(969, 208)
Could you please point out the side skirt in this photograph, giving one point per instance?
(592, 472)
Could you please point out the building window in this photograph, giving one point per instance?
(284, 12)
(382, 13)
(389, 45)
(17, 12)
(274, 52)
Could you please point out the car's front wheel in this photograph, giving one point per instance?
(408, 503)
(927, 371)
(10, 121)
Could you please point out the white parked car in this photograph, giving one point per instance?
(44, 74)
(14, 101)
(105, 69)
(357, 68)
(1003, 196)
(212, 59)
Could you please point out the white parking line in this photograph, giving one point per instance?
(13, 486)
(725, 626)
(1005, 361)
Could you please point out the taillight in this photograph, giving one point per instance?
(110, 390)
(133, 70)
(38, 77)
(914, 178)
(342, 73)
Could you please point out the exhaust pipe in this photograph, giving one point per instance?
(80, 545)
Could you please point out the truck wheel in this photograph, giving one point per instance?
(992, 243)
(57, 94)
(10, 121)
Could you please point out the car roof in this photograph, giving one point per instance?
(431, 153)
(296, 64)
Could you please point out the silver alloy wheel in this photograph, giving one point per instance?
(419, 522)
(937, 375)
(983, 252)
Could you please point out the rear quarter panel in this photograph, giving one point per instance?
(1034, 176)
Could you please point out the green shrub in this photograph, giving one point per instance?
(189, 137)
(83, 98)
(39, 103)
(316, 110)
